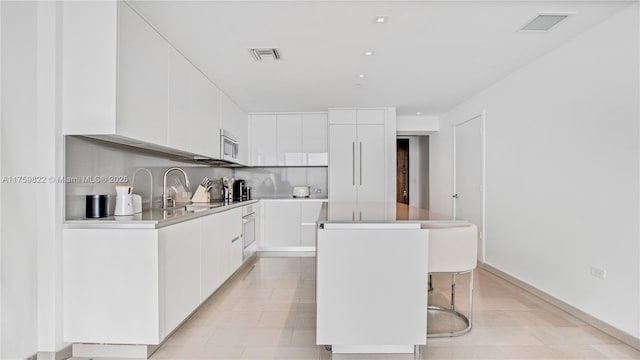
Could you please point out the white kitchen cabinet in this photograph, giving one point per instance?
(343, 116)
(211, 252)
(126, 84)
(371, 116)
(142, 80)
(135, 286)
(370, 174)
(315, 146)
(263, 140)
(281, 224)
(194, 109)
(309, 213)
(180, 267)
(342, 163)
(235, 121)
(289, 140)
(111, 287)
(289, 225)
(205, 129)
(181, 75)
(359, 152)
(221, 249)
(230, 233)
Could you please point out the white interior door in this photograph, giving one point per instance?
(468, 199)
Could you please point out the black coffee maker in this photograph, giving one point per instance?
(240, 191)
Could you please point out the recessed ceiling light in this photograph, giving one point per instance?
(380, 19)
(368, 53)
(361, 76)
(418, 113)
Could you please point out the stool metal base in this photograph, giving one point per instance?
(452, 310)
(450, 333)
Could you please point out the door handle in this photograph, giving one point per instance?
(404, 193)
(235, 239)
(455, 196)
(360, 163)
(353, 164)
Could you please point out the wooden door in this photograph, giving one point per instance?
(402, 171)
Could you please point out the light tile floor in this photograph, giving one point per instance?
(267, 311)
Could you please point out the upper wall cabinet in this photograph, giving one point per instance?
(314, 140)
(289, 139)
(142, 80)
(194, 109)
(125, 83)
(263, 139)
(236, 121)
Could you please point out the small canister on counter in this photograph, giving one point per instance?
(97, 206)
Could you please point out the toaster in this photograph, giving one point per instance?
(301, 191)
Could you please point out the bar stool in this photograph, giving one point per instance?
(453, 249)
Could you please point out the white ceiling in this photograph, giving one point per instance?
(430, 56)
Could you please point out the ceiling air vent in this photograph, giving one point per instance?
(545, 21)
(265, 54)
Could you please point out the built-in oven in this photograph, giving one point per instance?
(229, 146)
(248, 231)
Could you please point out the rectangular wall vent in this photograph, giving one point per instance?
(544, 22)
(265, 54)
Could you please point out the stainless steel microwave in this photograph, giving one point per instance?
(228, 146)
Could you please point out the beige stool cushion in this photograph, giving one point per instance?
(453, 249)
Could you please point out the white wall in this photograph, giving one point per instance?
(562, 171)
(19, 242)
(423, 165)
(417, 125)
(30, 213)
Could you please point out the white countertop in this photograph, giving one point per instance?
(380, 213)
(293, 199)
(153, 218)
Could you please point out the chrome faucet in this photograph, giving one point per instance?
(164, 184)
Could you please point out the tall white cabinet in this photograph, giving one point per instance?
(361, 155)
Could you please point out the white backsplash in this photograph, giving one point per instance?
(272, 182)
(104, 161)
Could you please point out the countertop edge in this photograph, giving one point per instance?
(149, 224)
(294, 199)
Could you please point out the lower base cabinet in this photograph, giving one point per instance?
(221, 243)
(290, 225)
(179, 247)
(135, 286)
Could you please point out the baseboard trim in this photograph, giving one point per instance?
(587, 318)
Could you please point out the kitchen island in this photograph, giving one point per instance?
(372, 276)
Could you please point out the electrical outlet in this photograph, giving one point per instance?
(599, 273)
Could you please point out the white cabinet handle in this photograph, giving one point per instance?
(235, 239)
(353, 164)
(361, 163)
